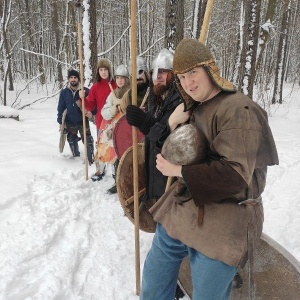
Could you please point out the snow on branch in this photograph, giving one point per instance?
(42, 98)
(158, 40)
(45, 55)
(25, 87)
(267, 27)
(109, 49)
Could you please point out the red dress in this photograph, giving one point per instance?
(97, 97)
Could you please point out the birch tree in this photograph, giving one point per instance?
(93, 35)
(250, 34)
(198, 16)
(89, 40)
(266, 30)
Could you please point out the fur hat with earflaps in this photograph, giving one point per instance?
(104, 63)
(190, 54)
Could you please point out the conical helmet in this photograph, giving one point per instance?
(122, 70)
(163, 60)
(141, 65)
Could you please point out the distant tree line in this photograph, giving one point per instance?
(256, 42)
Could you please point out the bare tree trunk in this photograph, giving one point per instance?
(34, 46)
(40, 50)
(93, 32)
(140, 28)
(281, 55)
(8, 54)
(55, 29)
(4, 47)
(291, 32)
(66, 36)
(174, 23)
(73, 29)
(239, 49)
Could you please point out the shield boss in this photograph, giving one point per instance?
(186, 145)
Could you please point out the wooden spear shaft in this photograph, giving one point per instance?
(78, 5)
(206, 20)
(134, 142)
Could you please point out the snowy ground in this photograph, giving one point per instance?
(62, 237)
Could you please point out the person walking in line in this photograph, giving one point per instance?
(151, 121)
(69, 99)
(109, 113)
(96, 100)
(142, 81)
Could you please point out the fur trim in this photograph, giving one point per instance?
(190, 54)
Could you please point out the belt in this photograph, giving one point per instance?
(251, 202)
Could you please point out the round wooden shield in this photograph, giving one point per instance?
(125, 188)
(62, 134)
(122, 136)
(105, 147)
(276, 273)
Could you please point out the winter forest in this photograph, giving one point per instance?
(256, 42)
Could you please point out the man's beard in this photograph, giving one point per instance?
(74, 84)
(159, 89)
(142, 86)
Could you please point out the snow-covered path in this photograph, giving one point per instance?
(61, 237)
(64, 238)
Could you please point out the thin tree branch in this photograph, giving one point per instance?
(39, 99)
(51, 57)
(25, 87)
(119, 39)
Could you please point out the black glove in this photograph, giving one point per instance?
(136, 117)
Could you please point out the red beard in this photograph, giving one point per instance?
(160, 89)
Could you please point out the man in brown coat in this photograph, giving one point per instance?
(209, 211)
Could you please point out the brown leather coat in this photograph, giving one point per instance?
(202, 210)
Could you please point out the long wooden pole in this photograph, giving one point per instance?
(206, 20)
(79, 32)
(134, 143)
